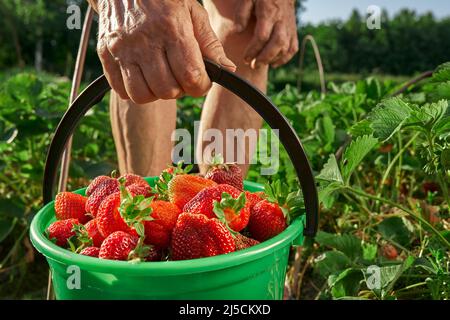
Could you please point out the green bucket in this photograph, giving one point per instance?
(254, 273)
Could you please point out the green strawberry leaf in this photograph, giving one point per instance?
(355, 153)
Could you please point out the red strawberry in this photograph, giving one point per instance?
(104, 189)
(254, 197)
(61, 231)
(222, 201)
(90, 251)
(225, 173)
(164, 216)
(197, 236)
(95, 183)
(389, 252)
(243, 242)
(117, 246)
(94, 233)
(184, 187)
(70, 205)
(140, 189)
(108, 217)
(266, 220)
(131, 178)
(154, 254)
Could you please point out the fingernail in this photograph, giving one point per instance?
(225, 62)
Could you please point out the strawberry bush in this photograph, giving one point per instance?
(382, 163)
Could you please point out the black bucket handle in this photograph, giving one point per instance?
(240, 87)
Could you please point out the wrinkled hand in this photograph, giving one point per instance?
(153, 49)
(274, 39)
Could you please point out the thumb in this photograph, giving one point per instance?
(210, 46)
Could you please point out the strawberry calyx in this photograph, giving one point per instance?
(81, 237)
(161, 185)
(228, 203)
(217, 161)
(134, 209)
(141, 251)
(291, 203)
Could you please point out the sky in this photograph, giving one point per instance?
(322, 10)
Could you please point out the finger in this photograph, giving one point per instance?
(210, 45)
(243, 14)
(159, 77)
(278, 45)
(111, 70)
(135, 84)
(293, 49)
(261, 35)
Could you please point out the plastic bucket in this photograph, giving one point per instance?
(254, 273)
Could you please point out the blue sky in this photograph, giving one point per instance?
(320, 10)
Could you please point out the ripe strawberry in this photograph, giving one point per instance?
(197, 236)
(184, 187)
(108, 217)
(95, 183)
(243, 242)
(140, 189)
(158, 231)
(118, 246)
(154, 254)
(61, 231)
(266, 220)
(70, 205)
(91, 252)
(225, 173)
(389, 252)
(254, 197)
(224, 201)
(131, 178)
(104, 189)
(94, 233)
(271, 216)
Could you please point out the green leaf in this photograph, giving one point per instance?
(442, 73)
(445, 159)
(390, 275)
(345, 284)
(331, 262)
(355, 153)
(388, 117)
(346, 243)
(327, 195)
(361, 128)
(330, 171)
(394, 229)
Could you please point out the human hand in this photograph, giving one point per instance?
(274, 39)
(153, 49)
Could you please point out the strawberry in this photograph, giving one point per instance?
(70, 205)
(225, 173)
(131, 178)
(95, 183)
(90, 251)
(389, 252)
(108, 217)
(266, 220)
(184, 187)
(140, 189)
(161, 185)
(164, 216)
(197, 236)
(154, 254)
(118, 246)
(104, 189)
(93, 233)
(271, 216)
(222, 201)
(243, 242)
(61, 231)
(254, 197)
